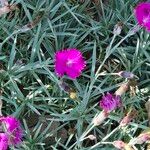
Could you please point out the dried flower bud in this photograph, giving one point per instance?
(118, 28)
(65, 87)
(73, 94)
(91, 137)
(99, 119)
(128, 118)
(96, 2)
(119, 144)
(122, 89)
(133, 86)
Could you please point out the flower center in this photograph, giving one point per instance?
(146, 20)
(69, 63)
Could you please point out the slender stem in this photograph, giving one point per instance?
(85, 133)
(100, 143)
(107, 55)
(82, 138)
(130, 33)
(108, 135)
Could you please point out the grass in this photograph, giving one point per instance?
(30, 36)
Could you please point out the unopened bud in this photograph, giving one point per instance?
(128, 118)
(126, 74)
(122, 89)
(118, 28)
(99, 119)
(140, 139)
(119, 144)
(91, 137)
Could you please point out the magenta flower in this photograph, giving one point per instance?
(142, 13)
(110, 102)
(13, 129)
(3, 141)
(70, 62)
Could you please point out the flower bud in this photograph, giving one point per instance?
(128, 118)
(122, 89)
(91, 137)
(119, 144)
(126, 74)
(99, 119)
(140, 139)
(118, 28)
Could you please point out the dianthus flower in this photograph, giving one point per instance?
(12, 129)
(70, 62)
(142, 13)
(110, 102)
(3, 141)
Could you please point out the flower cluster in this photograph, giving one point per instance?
(12, 132)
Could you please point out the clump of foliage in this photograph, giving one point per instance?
(30, 90)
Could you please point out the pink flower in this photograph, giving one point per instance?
(70, 62)
(12, 129)
(3, 141)
(142, 13)
(110, 102)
